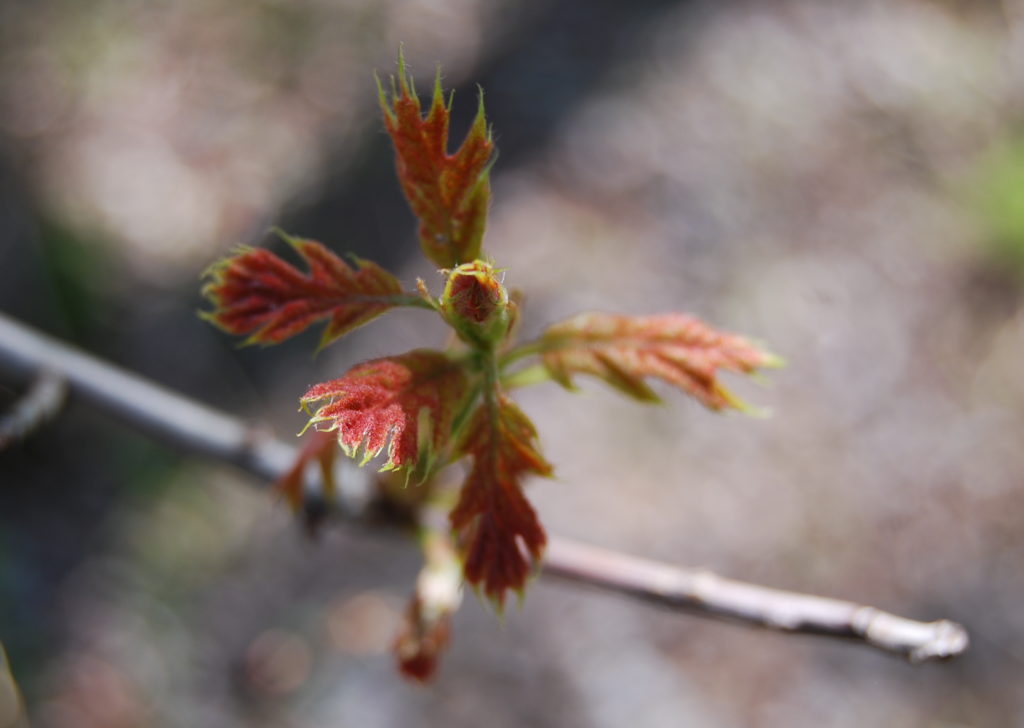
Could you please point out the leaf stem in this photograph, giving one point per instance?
(530, 348)
(408, 299)
(526, 377)
(460, 420)
(492, 381)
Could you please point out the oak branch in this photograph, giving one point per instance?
(27, 355)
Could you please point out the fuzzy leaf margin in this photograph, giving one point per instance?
(448, 193)
(255, 292)
(405, 402)
(677, 348)
(498, 530)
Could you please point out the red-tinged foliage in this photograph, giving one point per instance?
(428, 408)
(422, 639)
(257, 293)
(319, 448)
(427, 626)
(476, 305)
(498, 531)
(622, 350)
(474, 292)
(408, 399)
(448, 193)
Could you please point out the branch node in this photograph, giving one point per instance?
(950, 639)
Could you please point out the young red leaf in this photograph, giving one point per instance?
(448, 193)
(409, 400)
(427, 627)
(622, 350)
(421, 641)
(319, 448)
(497, 528)
(257, 293)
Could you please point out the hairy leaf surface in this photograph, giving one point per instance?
(408, 400)
(257, 293)
(623, 350)
(448, 193)
(497, 527)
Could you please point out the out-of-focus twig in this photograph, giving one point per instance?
(12, 707)
(155, 410)
(37, 406)
(703, 592)
(202, 430)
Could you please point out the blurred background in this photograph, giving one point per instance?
(842, 181)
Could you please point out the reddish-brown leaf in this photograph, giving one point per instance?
(422, 639)
(427, 627)
(409, 400)
(499, 534)
(257, 293)
(319, 448)
(622, 350)
(448, 193)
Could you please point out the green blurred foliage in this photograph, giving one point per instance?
(995, 194)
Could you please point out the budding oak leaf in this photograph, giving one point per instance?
(622, 350)
(257, 293)
(428, 408)
(497, 527)
(448, 193)
(476, 305)
(409, 400)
